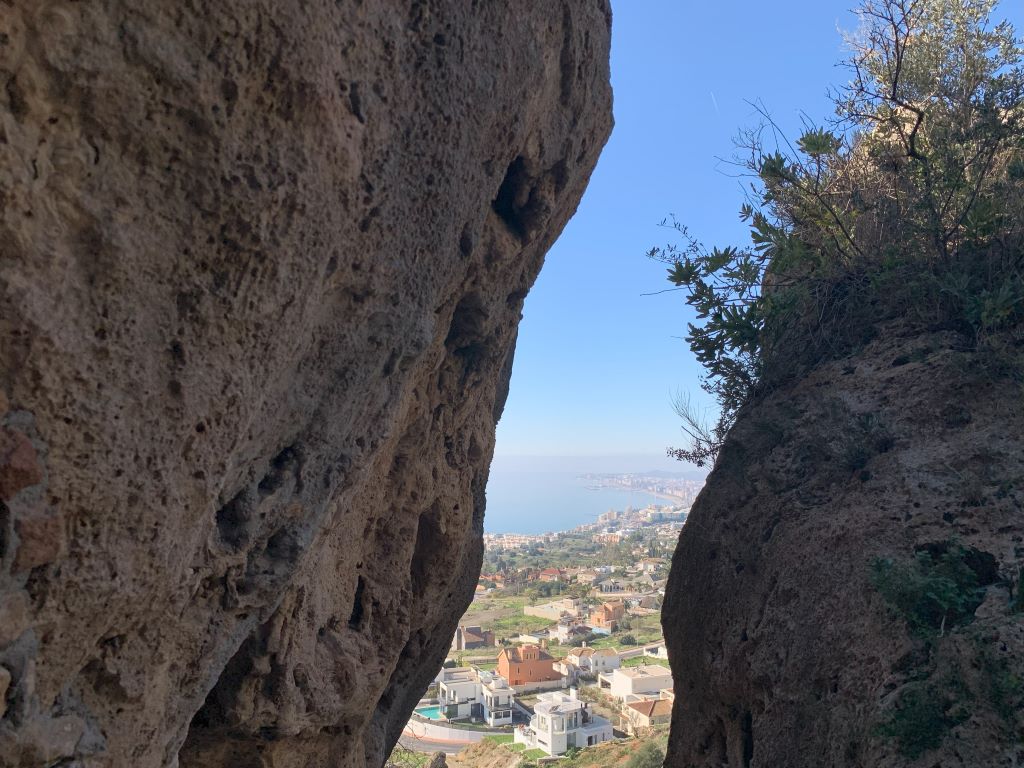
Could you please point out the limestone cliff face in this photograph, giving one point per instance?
(784, 649)
(261, 268)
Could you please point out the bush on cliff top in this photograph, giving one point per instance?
(910, 204)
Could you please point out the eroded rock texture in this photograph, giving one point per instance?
(783, 648)
(261, 267)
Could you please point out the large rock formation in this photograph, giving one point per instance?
(261, 267)
(788, 645)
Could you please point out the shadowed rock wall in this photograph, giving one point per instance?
(261, 268)
(783, 648)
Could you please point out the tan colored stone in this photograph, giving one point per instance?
(14, 616)
(40, 541)
(5, 683)
(19, 465)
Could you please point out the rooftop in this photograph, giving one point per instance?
(646, 670)
(557, 702)
(654, 708)
(515, 654)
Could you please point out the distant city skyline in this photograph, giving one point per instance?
(598, 362)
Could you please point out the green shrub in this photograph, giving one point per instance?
(922, 718)
(934, 592)
(1004, 689)
(647, 756)
(628, 640)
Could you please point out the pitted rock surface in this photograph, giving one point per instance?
(261, 270)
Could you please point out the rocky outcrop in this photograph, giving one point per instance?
(262, 266)
(798, 614)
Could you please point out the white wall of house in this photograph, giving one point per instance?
(497, 702)
(601, 663)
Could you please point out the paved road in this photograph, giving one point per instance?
(422, 745)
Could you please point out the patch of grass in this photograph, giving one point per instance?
(639, 661)
(508, 626)
(534, 754)
(516, 747)
(502, 739)
(402, 757)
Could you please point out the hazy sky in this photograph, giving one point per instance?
(597, 361)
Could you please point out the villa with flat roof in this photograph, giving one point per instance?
(465, 693)
(561, 721)
(635, 683)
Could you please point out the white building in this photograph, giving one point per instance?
(594, 661)
(497, 699)
(562, 721)
(635, 683)
(459, 694)
(466, 693)
(568, 630)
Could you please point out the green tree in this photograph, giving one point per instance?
(920, 174)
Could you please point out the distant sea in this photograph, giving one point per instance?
(537, 501)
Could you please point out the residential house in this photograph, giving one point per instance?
(640, 716)
(560, 722)
(528, 668)
(607, 616)
(611, 585)
(635, 683)
(551, 574)
(651, 564)
(469, 637)
(567, 669)
(588, 577)
(498, 699)
(581, 656)
(604, 660)
(458, 693)
(594, 661)
(569, 630)
(465, 693)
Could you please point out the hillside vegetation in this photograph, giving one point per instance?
(906, 207)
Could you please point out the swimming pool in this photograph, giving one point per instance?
(431, 713)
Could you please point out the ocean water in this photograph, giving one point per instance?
(537, 501)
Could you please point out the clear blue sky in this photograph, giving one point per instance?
(597, 362)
